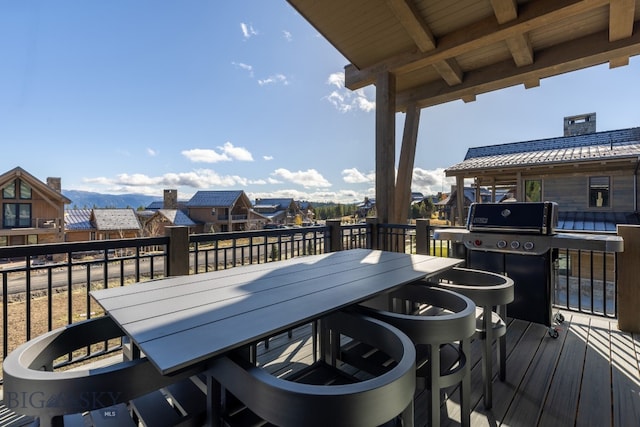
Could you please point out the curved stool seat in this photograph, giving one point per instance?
(31, 387)
(307, 400)
(491, 292)
(443, 320)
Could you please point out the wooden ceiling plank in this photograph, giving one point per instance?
(505, 10)
(478, 35)
(521, 49)
(411, 20)
(573, 55)
(450, 71)
(621, 15)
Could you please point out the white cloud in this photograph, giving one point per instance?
(277, 78)
(431, 181)
(287, 35)
(244, 66)
(228, 152)
(345, 100)
(267, 157)
(237, 153)
(354, 176)
(205, 155)
(308, 179)
(247, 30)
(151, 152)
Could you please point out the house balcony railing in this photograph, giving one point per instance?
(233, 217)
(47, 286)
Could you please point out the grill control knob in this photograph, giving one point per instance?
(515, 244)
(501, 244)
(528, 246)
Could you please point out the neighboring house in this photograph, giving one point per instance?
(115, 223)
(154, 222)
(170, 201)
(32, 211)
(363, 209)
(306, 211)
(593, 176)
(278, 211)
(447, 206)
(217, 211)
(78, 226)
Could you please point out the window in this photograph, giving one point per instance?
(9, 192)
(533, 190)
(16, 215)
(599, 191)
(25, 190)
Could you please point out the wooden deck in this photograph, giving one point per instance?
(588, 376)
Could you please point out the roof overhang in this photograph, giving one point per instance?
(444, 51)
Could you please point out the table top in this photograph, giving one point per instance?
(181, 321)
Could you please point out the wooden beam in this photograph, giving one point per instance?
(478, 35)
(505, 10)
(411, 20)
(529, 84)
(405, 165)
(450, 71)
(570, 56)
(460, 201)
(619, 62)
(521, 49)
(385, 145)
(621, 16)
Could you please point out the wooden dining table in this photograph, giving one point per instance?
(181, 322)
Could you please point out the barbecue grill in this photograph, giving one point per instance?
(519, 239)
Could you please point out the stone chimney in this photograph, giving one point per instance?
(580, 125)
(55, 184)
(170, 199)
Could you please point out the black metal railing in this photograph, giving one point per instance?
(224, 250)
(586, 282)
(48, 286)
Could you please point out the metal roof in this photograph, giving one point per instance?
(77, 219)
(615, 144)
(214, 198)
(115, 219)
(177, 217)
(277, 203)
(595, 221)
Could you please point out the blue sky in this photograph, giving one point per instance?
(126, 96)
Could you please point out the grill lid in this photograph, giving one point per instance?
(514, 217)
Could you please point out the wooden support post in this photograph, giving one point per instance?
(178, 251)
(335, 240)
(405, 167)
(385, 145)
(422, 236)
(459, 218)
(628, 285)
(372, 226)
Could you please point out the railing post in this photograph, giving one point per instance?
(178, 251)
(422, 236)
(628, 273)
(372, 225)
(335, 242)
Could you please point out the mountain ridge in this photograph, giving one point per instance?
(87, 200)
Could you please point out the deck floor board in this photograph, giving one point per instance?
(588, 376)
